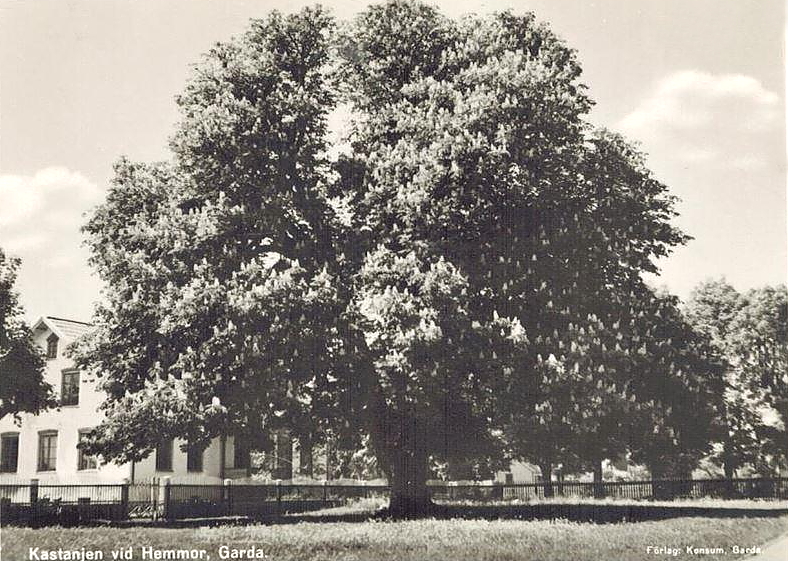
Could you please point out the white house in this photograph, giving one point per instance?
(519, 472)
(44, 446)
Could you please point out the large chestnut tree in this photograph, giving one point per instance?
(408, 283)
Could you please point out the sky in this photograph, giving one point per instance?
(699, 84)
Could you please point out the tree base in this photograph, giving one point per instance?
(412, 507)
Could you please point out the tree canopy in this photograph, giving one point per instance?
(475, 248)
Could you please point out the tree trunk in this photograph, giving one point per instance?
(305, 466)
(659, 489)
(409, 494)
(729, 466)
(329, 463)
(547, 477)
(399, 439)
(599, 489)
(284, 455)
(728, 463)
(410, 497)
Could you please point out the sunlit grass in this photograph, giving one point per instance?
(457, 540)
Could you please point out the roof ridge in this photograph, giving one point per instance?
(70, 320)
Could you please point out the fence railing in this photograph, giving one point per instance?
(662, 489)
(37, 504)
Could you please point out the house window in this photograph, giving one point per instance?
(164, 456)
(85, 461)
(240, 455)
(69, 389)
(47, 451)
(9, 452)
(194, 459)
(52, 346)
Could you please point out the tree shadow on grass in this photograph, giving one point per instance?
(575, 512)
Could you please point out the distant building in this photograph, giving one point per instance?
(519, 472)
(44, 446)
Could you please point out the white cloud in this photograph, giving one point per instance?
(718, 142)
(40, 214)
(728, 120)
(748, 163)
(690, 99)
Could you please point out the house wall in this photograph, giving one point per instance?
(69, 420)
(211, 470)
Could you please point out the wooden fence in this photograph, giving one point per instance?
(38, 504)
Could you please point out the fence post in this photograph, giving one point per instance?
(279, 497)
(325, 491)
(124, 499)
(33, 491)
(227, 496)
(83, 509)
(498, 490)
(599, 489)
(165, 494)
(153, 497)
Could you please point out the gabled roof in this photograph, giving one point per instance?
(64, 328)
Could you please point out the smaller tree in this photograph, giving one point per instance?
(678, 385)
(748, 331)
(22, 384)
(759, 340)
(759, 337)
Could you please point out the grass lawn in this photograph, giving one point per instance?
(454, 540)
(372, 505)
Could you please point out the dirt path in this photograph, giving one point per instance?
(775, 551)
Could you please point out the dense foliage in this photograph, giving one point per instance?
(22, 384)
